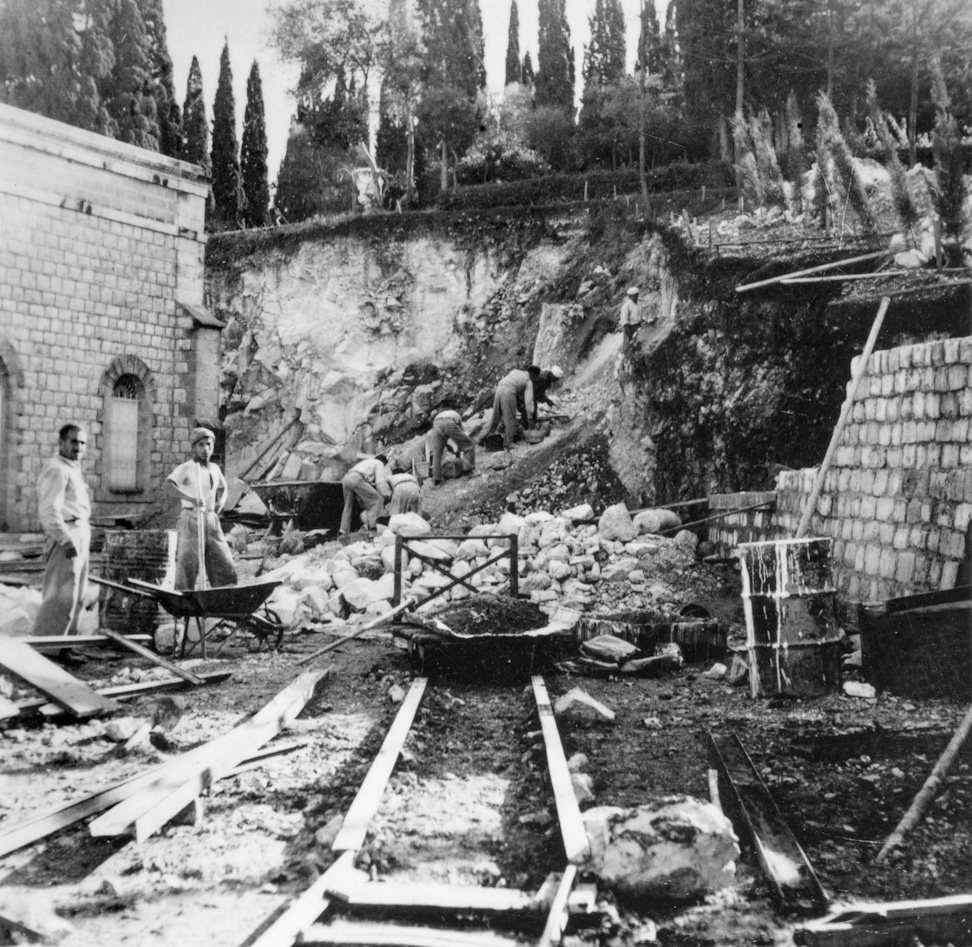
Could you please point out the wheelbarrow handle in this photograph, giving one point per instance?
(128, 589)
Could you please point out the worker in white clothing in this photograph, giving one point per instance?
(366, 482)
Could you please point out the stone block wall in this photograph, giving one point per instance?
(897, 499)
(100, 243)
(741, 523)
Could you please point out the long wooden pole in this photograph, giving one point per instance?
(842, 420)
(813, 269)
(929, 790)
(408, 603)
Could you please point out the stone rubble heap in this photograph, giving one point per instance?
(567, 560)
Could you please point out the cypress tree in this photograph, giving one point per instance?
(50, 66)
(127, 91)
(167, 111)
(649, 41)
(604, 55)
(195, 128)
(555, 67)
(513, 47)
(253, 154)
(227, 188)
(527, 73)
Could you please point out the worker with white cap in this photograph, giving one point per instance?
(630, 320)
(543, 379)
(201, 488)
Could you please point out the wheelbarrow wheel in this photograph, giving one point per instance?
(266, 629)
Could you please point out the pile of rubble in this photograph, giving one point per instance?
(569, 559)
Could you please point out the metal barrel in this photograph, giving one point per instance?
(791, 630)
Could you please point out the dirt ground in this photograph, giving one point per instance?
(469, 802)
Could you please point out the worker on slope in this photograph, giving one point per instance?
(366, 482)
(543, 380)
(64, 509)
(201, 488)
(447, 430)
(515, 387)
(630, 320)
(406, 497)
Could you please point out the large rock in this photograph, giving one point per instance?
(472, 549)
(14, 621)
(647, 521)
(409, 524)
(583, 512)
(580, 707)
(615, 524)
(361, 593)
(677, 849)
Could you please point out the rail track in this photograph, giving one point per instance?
(346, 906)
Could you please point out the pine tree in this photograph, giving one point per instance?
(227, 189)
(127, 91)
(168, 113)
(513, 47)
(253, 154)
(604, 55)
(528, 76)
(195, 127)
(554, 81)
(53, 54)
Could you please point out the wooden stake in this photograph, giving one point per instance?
(930, 789)
(811, 504)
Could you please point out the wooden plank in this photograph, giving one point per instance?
(52, 642)
(53, 820)
(784, 863)
(553, 932)
(152, 656)
(65, 690)
(572, 827)
(938, 920)
(351, 837)
(306, 909)
(145, 812)
(350, 934)
(431, 896)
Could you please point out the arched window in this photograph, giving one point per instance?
(123, 412)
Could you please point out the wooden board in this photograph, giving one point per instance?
(572, 827)
(784, 863)
(184, 778)
(306, 909)
(431, 896)
(153, 657)
(56, 642)
(362, 810)
(553, 932)
(65, 690)
(349, 934)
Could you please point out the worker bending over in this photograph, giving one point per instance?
(447, 429)
(366, 482)
(406, 497)
(201, 488)
(512, 388)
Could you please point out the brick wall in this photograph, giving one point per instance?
(897, 499)
(100, 243)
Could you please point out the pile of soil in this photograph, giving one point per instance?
(492, 614)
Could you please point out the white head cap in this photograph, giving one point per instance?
(557, 371)
(634, 291)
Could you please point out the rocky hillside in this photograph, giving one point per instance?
(348, 337)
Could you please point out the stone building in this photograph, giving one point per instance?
(101, 312)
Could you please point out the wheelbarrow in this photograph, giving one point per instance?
(236, 604)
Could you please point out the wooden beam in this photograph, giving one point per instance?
(380, 620)
(572, 827)
(64, 689)
(56, 642)
(350, 934)
(144, 813)
(813, 269)
(305, 909)
(553, 932)
(351, 837)
(431, 896)
(152, 656)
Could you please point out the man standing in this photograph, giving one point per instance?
(201, 488)
(366, 482)
(630, 320)
(447, 427)
(542, 381)
(65, 512)
(514, 387)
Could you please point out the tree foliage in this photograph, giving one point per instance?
(253, 154)
(313, 179)
(227, 185)
(195, 126)
(554, 82)
(513, 65)
(167, 111)
(604, 54)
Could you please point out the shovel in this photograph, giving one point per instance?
(202, 581)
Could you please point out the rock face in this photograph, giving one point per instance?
(679, 849)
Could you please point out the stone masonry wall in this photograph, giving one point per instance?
(101, 248)
(897, 499)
